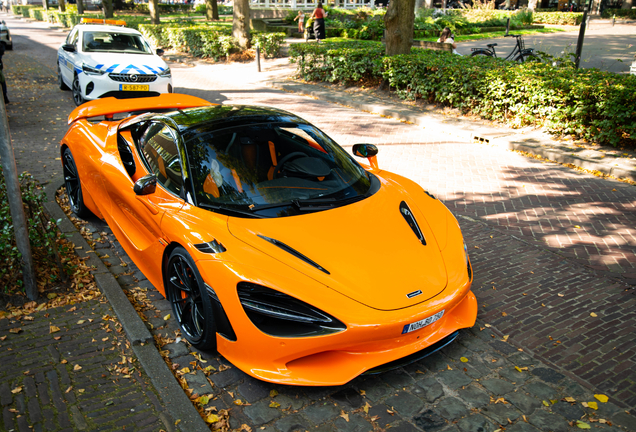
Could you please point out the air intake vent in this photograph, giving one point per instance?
(294, 252)
(410, 219)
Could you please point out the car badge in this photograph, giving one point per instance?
(414, 294)
(134, 78)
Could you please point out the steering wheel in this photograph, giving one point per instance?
(282, 162)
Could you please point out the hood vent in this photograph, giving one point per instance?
(410, 219)
(294, 252)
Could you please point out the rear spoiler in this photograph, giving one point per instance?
(109, 106)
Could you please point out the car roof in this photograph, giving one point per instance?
(106, 28)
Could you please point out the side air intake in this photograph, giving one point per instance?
(410, 219)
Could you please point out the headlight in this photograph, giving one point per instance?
(278, 314)
(165, 73)
(90, 70)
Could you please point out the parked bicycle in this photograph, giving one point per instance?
(519, 54)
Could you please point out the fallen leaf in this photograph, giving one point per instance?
(344, 415)
(601, 398)
(366, 407)
(576, 226)
(274, 404)
(592, 405)
(273, 393)
(463, 359)
(560, 295)
(76, 367)
(363, 392)
(166, 318)
(593, 315)
(582, 425)
(211, 418)
(68, 389)
(54, 329)
(81, 321)
(15, 330)
(504, 314)
(569, 399)
(487, 325)
(448, 367)
(505, 338)
(238, 402)
(546, 403)
(16, 390)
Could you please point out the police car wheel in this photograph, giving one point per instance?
(77, 92)
(60, 81)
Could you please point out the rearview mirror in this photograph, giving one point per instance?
(160, 52)
(146, 185)
(69, 47)
(365, 150)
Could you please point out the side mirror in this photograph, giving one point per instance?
(69, 47)
(160, 52)
(367, 151)
(146, 185)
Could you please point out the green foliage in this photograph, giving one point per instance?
(38, 13)
(41, 235)
(164, 8)
(558, 18)
(588, 103)
(619, 13)
(208, 41)
(223, 9)
(269, 43)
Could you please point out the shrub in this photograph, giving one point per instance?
(38, 14)
(587, 103)
(269, 43)
(619, 13)
(559, 18)
(223, 9)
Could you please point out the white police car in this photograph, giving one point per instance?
(101, 60)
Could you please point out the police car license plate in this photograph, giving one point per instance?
(422, 323)
(134, 87)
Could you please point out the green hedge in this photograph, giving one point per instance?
(619, 13)
(38, 13)
(269, 43)
(595, 105)
(201, 41)
(558, 18)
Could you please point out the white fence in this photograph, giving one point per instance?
(309, 4)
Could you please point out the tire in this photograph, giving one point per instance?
(9, 47)
(77, 92)
(480, 54)
(191, 303)
(73, 185)
(60, 80)
(528, 57)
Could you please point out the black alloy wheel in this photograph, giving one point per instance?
(73, 185)
(191, 303)
(60, 80)
(77, 92)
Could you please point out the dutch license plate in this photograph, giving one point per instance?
(422, 323)
(134, 87)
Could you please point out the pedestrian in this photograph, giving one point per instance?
(3, 81)
(448, 37)
(301, 21)
(319, 16)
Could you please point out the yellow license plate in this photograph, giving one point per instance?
(134, 87)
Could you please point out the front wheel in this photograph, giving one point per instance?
(60, 80)
(77, 92)
(191, 303)
(480, 54)
(73, 185)
(528, 57)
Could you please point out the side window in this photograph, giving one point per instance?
(159, 147)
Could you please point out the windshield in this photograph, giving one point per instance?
(272, 169)
(99, 41)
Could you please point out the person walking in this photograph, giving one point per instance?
(319, 16)
(448, 37)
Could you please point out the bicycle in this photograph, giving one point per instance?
(519, 54)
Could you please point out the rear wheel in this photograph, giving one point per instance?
(73, 185)
(528, 57)
(191, 303)
(77, 92)
(60, 80)
(480, 54)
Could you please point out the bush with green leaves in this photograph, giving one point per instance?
(558, 18)
(588, 103)
(38, 14)
(200, 9)
(268, 43)
(619, 13)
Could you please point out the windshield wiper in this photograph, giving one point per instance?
(228, 210)
(300, 204)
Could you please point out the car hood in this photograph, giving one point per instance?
(366, 251)
(125, 63)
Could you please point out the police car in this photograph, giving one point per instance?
(102, 58)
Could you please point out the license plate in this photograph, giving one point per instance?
(422, 323)
(134, 87)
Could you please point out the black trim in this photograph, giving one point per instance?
(211, 247)
(294, 252)
(412, 358)
(407, 214)
(223, 325)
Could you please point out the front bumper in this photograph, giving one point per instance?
(99, 86)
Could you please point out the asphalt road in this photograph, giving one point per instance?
(573, 328)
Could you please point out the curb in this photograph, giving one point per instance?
(529, 140)
(174, 399)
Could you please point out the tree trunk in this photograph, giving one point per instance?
(45, 4)
(428, 4)
(107, 6)
(532, 5)
(241, 23)
(627, 4)
(62, 6)
(211, 10)
(80, 7)
(153, 7)
(398, 21)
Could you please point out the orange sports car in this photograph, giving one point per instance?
(274, 246)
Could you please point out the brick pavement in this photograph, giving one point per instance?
(72, 379)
